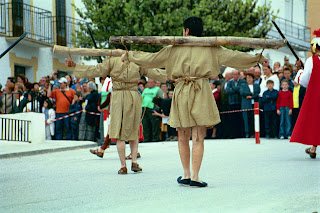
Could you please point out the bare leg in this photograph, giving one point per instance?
(313, 149)
(214, 131)
(134, 150)
(184, 150)
(198, 134)
(121, 146)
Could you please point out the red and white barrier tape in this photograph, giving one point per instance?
(72, 114)
(241, 110)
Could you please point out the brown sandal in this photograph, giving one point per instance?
(123, 171)
(312, 154)
(129, 157)
(96, 152)
(135, 167)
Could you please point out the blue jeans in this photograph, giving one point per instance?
(60, 124)
(285, 122)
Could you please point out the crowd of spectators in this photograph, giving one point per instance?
(278, 95)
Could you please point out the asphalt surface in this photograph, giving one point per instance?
(275, 176)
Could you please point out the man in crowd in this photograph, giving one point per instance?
(63, 97)
(225, 120)
(151, 125)
(233, 91)
(257, 75)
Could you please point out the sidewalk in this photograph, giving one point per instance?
(9, 149)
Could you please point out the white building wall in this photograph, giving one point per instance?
(5, 70)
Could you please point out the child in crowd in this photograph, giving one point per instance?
(287, 75)
(284, 109)
(276, 66)
(49, 118)
(269, 99)
(75, 120)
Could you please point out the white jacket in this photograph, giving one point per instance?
(50, 121)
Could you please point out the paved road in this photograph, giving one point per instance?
(274, 176)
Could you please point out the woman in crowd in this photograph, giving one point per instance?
(8, 99)
(87, 128)
(249, 94)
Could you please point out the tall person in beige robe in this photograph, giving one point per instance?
(193, 106)
(125, 106)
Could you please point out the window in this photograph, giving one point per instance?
(61, 22)
(17, 17)
(19, 70)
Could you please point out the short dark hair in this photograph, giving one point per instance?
(78, 94)
(270, 82)
(250, 74)
(195, 26)
(287, 69)
(257, 65)
(157, 100)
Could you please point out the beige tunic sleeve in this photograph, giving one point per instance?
(238, 60)
(155, 74)
(92, 71)
(150, 60)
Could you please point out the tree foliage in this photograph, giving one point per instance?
(165, 17)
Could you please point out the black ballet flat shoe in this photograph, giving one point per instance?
(198, 184)
(185, 182)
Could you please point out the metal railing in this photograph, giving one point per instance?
(297, 34)
(15, 130)
(68, 28)
(38, 23)
(16, 102)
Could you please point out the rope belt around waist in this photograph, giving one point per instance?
(192, 80)
(128, 88)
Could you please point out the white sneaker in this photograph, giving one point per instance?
(289, 137)
(281, 138)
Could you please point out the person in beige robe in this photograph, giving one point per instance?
(125, 105)
(193, 106)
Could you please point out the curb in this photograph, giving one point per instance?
(44, 151)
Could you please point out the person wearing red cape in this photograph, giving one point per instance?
(307, 126)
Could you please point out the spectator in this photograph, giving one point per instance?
(55, 79)
(249, 94)
(163, 119)
(22, 79)
(87, 129)
(287, 75)
(233, 91)
(276, 66)
(63, 97)
(43, 83)
(8, 99)
(158, 83)
(257, 75)
(298, 96)
(33, 104)
(78, 89)
(75, 120)
(151, 130)
(141, 87)
(251, 70)
(269, 100)
(11, 80)
(242, 75)
(70, 82)
(50, 115)
(170, 94)
(212, 133)
(268, 76)
(225, 121)
(164, 88)
(20, 100)
(85, 90)
(280, 73)
(284, 109)
(0, 94)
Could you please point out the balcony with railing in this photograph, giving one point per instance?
(18, 18)
(298, 35)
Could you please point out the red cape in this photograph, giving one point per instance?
(307, 128)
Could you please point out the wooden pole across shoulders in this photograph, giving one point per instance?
(87, 52)
(257, 43)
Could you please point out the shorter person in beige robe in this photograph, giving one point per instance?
(125, 105)
(193, 106)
